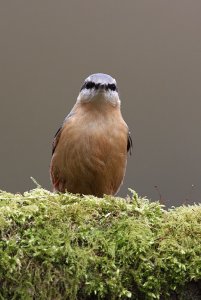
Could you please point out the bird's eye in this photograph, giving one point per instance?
(90, 85)
(112, 87)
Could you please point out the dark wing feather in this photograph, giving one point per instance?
(56, 139)
(58, 133)
(129, 144)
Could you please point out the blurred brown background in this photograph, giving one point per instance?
(151, 47)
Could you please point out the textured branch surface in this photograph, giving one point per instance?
(62, 246)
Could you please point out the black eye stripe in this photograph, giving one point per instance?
(90, 85)
(112, 87)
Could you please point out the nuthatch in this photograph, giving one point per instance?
(89, 152)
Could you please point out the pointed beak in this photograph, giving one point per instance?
(102, 88)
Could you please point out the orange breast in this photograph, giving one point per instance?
(91, 154)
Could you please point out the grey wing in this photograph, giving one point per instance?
(129, 144)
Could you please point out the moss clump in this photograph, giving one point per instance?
(62, 246)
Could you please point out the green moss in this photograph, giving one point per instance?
(62, 246)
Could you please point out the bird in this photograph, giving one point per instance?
(90, 149)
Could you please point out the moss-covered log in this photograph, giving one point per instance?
(62, 246)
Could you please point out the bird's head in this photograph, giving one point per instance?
(99, 87)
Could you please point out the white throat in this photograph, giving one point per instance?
(110, 97)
